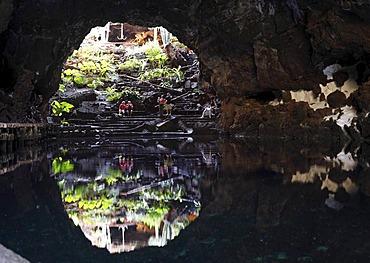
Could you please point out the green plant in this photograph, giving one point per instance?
(132, 64)
(157, 61)
(128, 94)
(114, 95)
(96, 83)
(165, 72)
(61, 166)
(62, 88)
(58, 108)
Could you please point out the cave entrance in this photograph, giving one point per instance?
(128, 204)
(137, 65)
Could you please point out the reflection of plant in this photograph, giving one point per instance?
(111, 180)
(58, 108)
(103, 203)
(163, 194)
(152, 219)
(61, 166)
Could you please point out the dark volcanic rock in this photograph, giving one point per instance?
(244, 48)
(336, 99)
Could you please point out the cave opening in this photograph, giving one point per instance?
(123, 66)
(135, 199)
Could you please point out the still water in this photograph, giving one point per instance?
(186, 200)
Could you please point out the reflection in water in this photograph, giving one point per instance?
(343, 162)
(261, 202)
(131, 196)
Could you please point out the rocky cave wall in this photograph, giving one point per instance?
(251, 53)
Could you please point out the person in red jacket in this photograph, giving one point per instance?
(129, 108)
(122, 109)
(161, 102)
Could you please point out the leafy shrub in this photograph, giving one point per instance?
(61, 166)
(126, 94)
(58, 108)
(166, 72)
(132, 64)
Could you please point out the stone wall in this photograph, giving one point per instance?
(246, 48)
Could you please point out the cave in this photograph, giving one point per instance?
(293, 130)
(243, 50)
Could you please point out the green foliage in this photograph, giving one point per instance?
(152, 219)
(152, 49)
(62, 88)
(64, 121)
(91, 67)
(155, 56)
(113, 94)
(98, 68)
(157, 61)
(96, 83)
(58, 108)
(132, 64)
(163, 194)
(61, 166)
(176, 43)
(74, 76)
(101, 203)
(165, 72)
(127, 94)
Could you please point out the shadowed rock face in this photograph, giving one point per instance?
(245, 47)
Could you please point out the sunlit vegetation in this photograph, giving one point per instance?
(100, 74)
(89, 66)
(151, 62)
(114, 94)
(62, 166)
(117, 196)
(58, 108)
(94, 67)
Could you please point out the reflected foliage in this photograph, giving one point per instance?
(155, 198)
(62, 166)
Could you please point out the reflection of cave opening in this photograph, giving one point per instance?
(135, 64)
(134, 195)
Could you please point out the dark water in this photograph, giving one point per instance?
(186, 200)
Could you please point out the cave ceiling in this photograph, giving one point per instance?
(245, 47)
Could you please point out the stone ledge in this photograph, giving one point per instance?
(8, 256)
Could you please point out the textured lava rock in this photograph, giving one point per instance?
(245, 48)
(336, 99)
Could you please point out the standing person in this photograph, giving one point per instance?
(207, 111)
(129, 108)
(122, 109)
(161, 102)
(168, 105)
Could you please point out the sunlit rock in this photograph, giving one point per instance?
(310, 177)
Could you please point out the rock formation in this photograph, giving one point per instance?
(247, 50)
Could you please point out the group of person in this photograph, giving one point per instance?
(125, 108)
(165, 104)
(126, 164)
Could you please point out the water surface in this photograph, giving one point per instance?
(208, 200)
